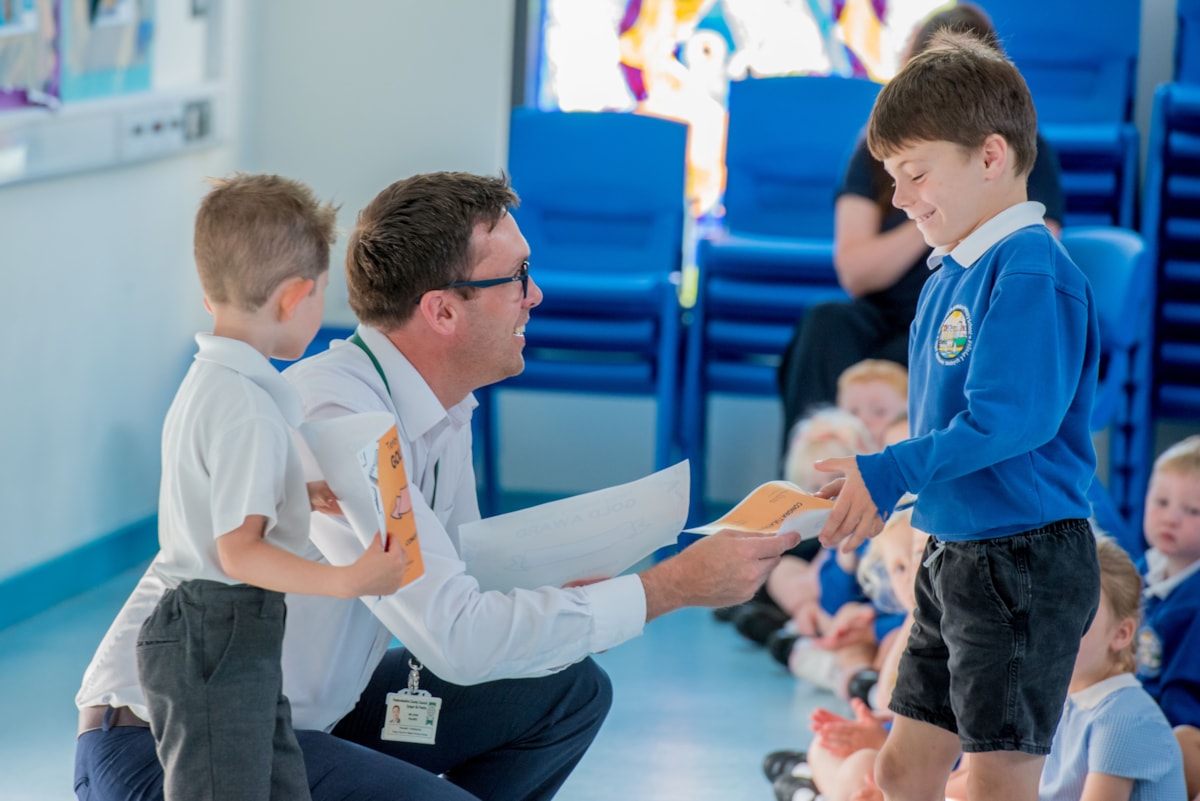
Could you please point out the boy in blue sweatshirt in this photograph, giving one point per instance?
(1003, 358)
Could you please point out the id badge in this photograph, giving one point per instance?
(411, 718)
(412, 714)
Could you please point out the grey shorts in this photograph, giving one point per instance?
(995, 633)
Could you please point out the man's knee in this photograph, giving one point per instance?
(594, 681)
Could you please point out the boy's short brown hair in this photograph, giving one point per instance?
(415, 236)
(1181, 458)
(959, 90)
(255, 231)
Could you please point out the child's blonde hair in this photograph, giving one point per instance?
(875, 370)
(1122, 585)
(1182, 457)
(827, 433)
(872, 573)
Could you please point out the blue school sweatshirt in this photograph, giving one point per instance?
(1003, 360)
(1168, 642)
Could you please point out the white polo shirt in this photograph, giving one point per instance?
(228, 453)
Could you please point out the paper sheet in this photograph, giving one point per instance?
(336, 443)
(773, 508)
(595, 535)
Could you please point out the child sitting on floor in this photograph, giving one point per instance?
(1113, 742)
(1169, 638)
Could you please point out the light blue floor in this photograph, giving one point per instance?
(696, 708)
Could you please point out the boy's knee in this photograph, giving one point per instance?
(893, 774)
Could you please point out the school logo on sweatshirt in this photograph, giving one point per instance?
(954, 337)
(1149, 652)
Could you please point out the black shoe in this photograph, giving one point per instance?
(794, 788)
(757, 621)
(725, 614)
(860, 685)
(779, 645)
(780, 763)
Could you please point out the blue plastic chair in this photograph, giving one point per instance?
(788, 143)
(602, 207)
(1080, 62)
(1116, 263)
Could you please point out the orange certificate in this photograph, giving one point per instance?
(395, 505)
(767, 508)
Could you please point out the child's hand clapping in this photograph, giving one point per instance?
(853, 624)
(842, 737)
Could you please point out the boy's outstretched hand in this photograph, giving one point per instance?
(855, 517)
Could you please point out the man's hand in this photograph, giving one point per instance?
(854, 518)
(723, 569)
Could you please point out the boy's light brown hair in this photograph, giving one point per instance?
(883, 370)
(253, 232)
(1122, 586)
(1181, 458)
(959, 90)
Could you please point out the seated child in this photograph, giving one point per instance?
(826, 433)
(876, 392)
(1169, 638)
(1112, 742)
(831, 762)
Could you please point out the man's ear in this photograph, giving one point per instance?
(291, 292)
(439, 312)
(996, 155)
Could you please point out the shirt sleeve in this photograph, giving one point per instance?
(1129, 745)
(860, 178)
(464, 635)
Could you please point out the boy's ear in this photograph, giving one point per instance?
(995, 155)
(291, 293)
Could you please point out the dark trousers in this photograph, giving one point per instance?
(512, 740)
(829, 338)
(208, 660)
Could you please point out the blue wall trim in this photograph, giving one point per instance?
(40, 587)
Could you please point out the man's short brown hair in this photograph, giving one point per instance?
(959, 90)
(255, 231)
(415, 236)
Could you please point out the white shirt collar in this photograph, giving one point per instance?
(1090, 697)
(1157, 584)
(417, 405)
(1014, 218)
(244, 359)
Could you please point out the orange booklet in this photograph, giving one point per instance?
(771, 508)
(383, 463)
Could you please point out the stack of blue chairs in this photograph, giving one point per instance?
(1171, 225)
(1080, 62)
(788, 143)
(602, 207)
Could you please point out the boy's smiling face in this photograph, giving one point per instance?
(949, 190)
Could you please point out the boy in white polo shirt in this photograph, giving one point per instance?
(234, 508)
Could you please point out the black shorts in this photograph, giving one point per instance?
(995, 633)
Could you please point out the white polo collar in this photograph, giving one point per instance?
(1090, 697)
(417, 405)
(1157, 584)
(968, 251)
(244, 359)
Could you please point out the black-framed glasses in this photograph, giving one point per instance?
(521, 275)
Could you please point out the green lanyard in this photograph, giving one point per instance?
(357, 340)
